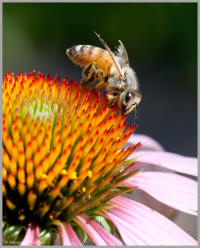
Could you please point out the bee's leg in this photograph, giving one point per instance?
(111, 101)
(89, 76)
(100, 85)
(103, 78)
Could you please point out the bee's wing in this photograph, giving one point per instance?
(122, 54)
(111, 54)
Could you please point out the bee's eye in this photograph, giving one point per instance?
(128, 96)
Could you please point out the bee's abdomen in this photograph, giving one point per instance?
(86, 54)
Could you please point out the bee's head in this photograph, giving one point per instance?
(129, 100)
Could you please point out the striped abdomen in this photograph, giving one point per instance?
(86, 54)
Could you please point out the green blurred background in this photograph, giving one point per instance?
(161, 40)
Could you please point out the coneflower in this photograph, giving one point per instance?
(64, 169)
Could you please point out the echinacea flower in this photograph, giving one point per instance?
(65, 168)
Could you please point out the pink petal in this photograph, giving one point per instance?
(174, 190)
(96, 232)
(128, 232)
(148, 143)
(186, 165)
(32, 236)
(68, 236)
(140, 225)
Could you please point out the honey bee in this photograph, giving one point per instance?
(112, 70)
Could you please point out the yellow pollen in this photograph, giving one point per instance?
(73, 175)
(64, 172)
(89, 173)
(44, 176)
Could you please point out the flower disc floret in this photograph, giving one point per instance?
(62, 149)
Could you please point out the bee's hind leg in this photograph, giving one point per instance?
(91, 74)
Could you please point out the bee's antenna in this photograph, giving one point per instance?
(110, 52)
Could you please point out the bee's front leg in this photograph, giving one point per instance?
(111, 100)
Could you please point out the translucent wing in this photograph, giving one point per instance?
(122, 54)
(111, 54)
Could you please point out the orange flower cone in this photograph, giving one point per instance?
(62, 152)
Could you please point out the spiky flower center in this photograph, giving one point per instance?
(61, 149)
